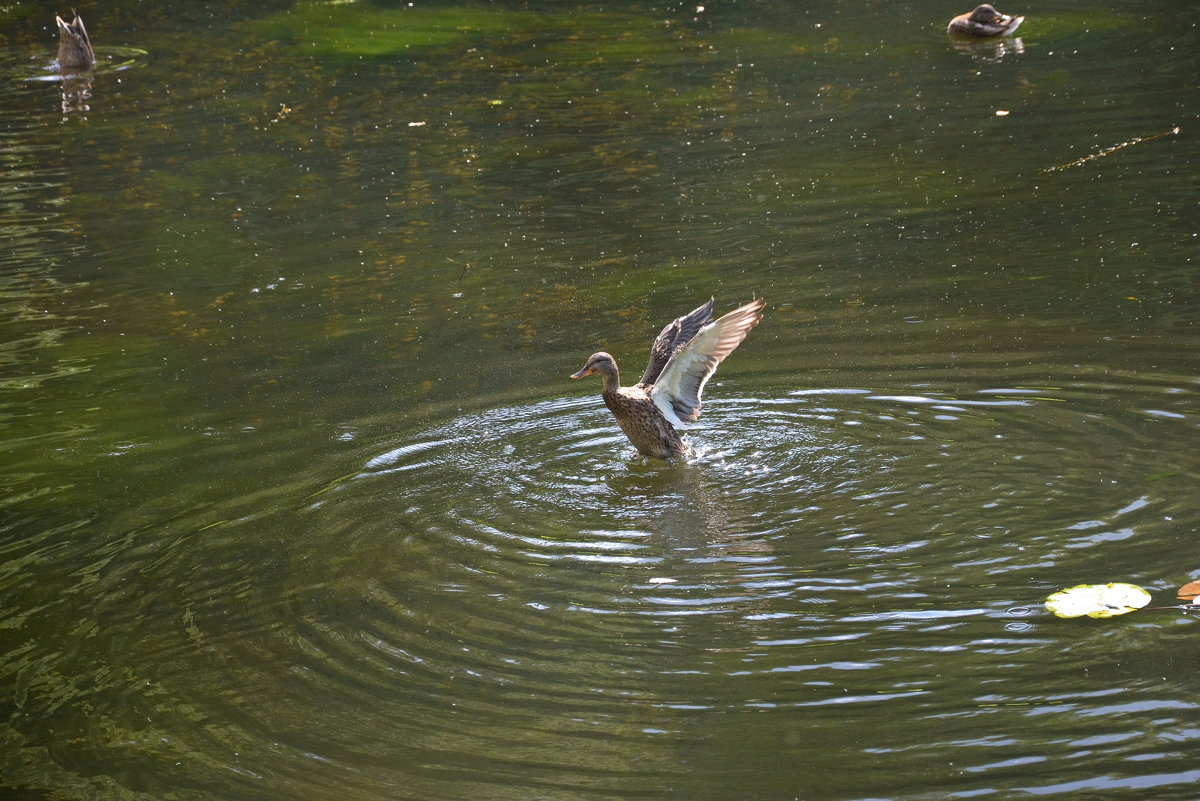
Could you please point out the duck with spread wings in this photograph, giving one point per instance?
(682, 359)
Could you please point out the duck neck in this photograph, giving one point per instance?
(612, 380)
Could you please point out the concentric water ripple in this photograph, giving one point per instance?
(522, 570)
(792, 511)
(569, 589)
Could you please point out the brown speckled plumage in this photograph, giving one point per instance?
(74, 46)
(643, 423)
(984, 21)
(682, 359)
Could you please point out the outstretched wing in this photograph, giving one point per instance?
(674, 336)
(678, 388)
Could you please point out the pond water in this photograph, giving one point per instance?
(298, 501)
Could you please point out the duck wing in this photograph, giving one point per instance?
(1011, 24)
(677, 391)
(674, 336)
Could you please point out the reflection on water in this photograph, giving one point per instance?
(77, 92)
(298, 503)
(77, 86)
(989, 51)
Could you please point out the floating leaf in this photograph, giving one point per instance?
(1098, 600)
(1189, 591)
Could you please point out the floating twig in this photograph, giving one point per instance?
(461, 275)
(1108, 151)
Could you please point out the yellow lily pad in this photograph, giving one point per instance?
(1097, 600)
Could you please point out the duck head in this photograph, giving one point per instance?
(604, 365)
(601, 363)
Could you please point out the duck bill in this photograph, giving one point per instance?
(582, 373)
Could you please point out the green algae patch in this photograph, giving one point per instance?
(351, 29)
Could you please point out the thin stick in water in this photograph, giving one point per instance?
(1108, 151)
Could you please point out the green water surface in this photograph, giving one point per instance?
(297, 501)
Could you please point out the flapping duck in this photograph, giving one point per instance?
(682, 359)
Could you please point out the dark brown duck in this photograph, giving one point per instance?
(74, 46)
(982, 22)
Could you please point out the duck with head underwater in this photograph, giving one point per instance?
(984, 21)
(74, 46)
(682, 359)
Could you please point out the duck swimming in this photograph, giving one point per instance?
(984, 21)
(74, 46)
(682, 359)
